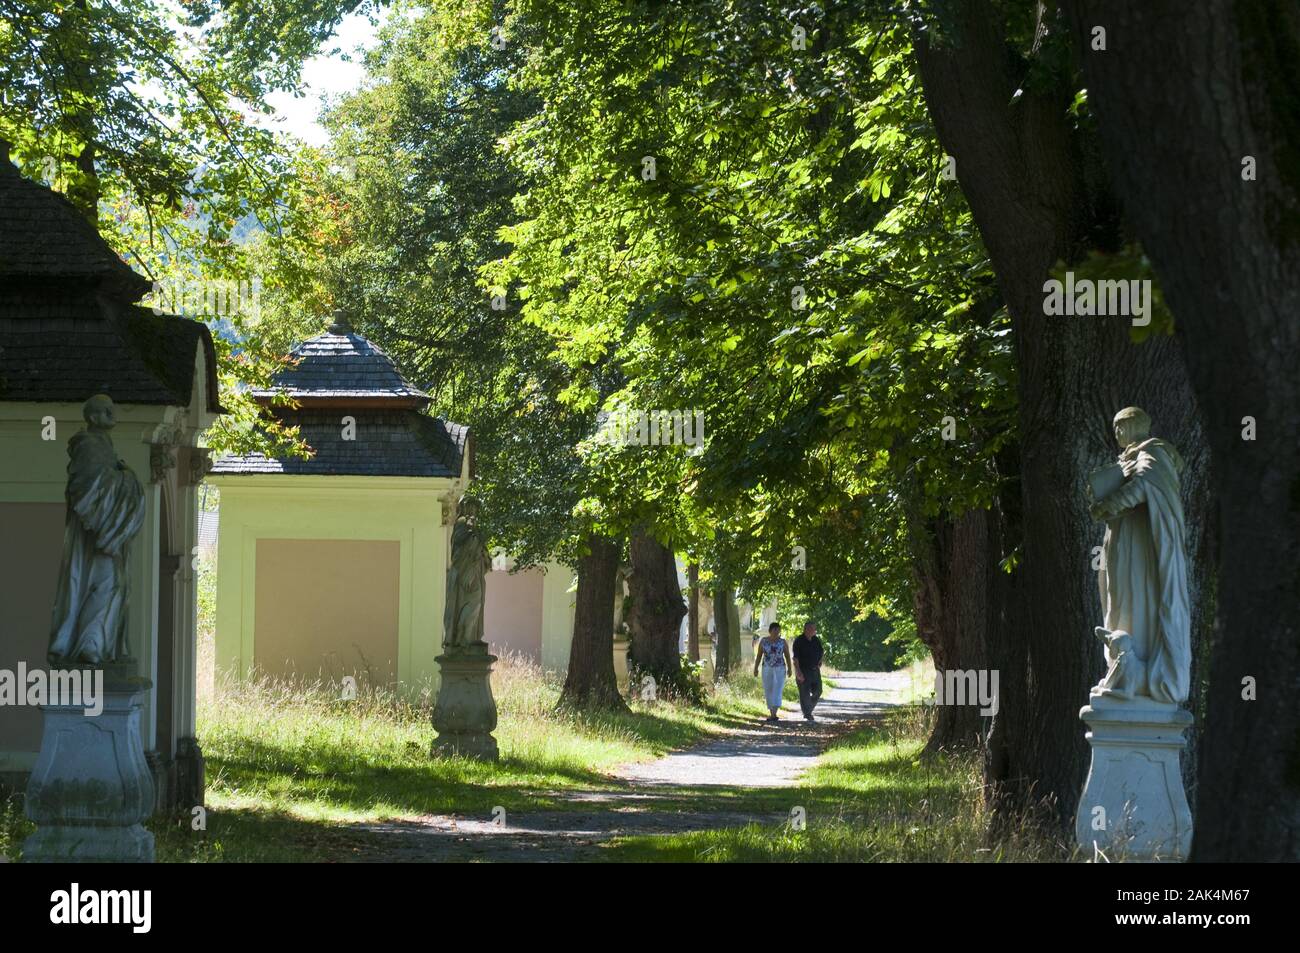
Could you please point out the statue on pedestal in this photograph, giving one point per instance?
(1143, 577)
(90, 788)
(465, 713)
(1133, 805)
(105, 510)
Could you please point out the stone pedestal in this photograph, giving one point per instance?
(621, 645)
(706, 660)
(1135, 779)
(91, 786)
(465, 713)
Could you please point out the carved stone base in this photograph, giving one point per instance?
(621, 673)
(706, 660)
(465, 713)
(90, 845)
(1133, 806)
(91, 787)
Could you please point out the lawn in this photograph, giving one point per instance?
(869, 798)
(290, 769)
(289, 765)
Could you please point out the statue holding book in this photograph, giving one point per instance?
(1143, 576)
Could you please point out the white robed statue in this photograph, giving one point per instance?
(105, 510)
(1143, 577)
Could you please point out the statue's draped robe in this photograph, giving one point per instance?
(462, 619)
(105, 509)
(1143, 578)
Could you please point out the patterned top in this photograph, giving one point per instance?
(773, 652)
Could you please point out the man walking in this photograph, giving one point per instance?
(807, 651)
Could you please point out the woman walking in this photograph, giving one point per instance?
(774, 653)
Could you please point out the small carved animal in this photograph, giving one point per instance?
(1126, 677)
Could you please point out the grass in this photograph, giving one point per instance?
(289, 764)
(290, 767)
(13, 827)
(870, 798)
(369, 759)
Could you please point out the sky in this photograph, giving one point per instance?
(324, 75)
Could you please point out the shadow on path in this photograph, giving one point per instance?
(683, 791)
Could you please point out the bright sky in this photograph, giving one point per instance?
(324, 75)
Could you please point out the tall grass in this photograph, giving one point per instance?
(289, 761)
(870, 798)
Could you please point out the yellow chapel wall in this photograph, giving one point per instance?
(388, 534)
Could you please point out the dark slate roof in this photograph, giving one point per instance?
(69, 349)
(44, 236)
(388, 443)
(341, 366)
(69, 328)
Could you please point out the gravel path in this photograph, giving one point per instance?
(771, 756)
(763, 756)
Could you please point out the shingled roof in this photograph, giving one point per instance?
(340, 373)
(387, 443)
(65, 350)
(69, 325)
(342, 367)
(44, 236)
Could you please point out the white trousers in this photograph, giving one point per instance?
(773, 683)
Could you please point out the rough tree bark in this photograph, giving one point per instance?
(693, 613)
(722, 602)
(591, 682)
(1037, 198)
(736, 647)
(953, 561)
(655, 617)
(1183, 94)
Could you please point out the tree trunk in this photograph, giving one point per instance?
(722, 600)
(953, 563)
(693, 613)
(655, 618)
(1184, 94)
(1037, 200)
(733, 626)
(591, 683)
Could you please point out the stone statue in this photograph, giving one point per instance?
(465, 712)
(106, 508)
(621, 575)
(1126, 675)
(462, 621)
(1143, 577)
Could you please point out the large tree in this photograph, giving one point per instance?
(656, 611)
(1199, 109)
(1002, 88)
(753, 230)
(590, 682)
